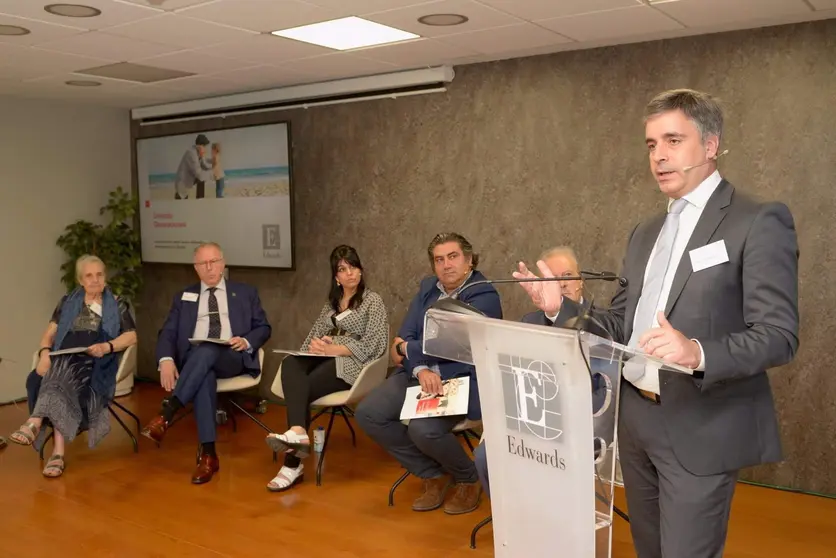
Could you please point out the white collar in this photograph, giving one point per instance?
(699, 196)
(220, 286)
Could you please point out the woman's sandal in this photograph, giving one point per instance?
(25, 438)
(54, 467)
(286, 478)
(290, 442)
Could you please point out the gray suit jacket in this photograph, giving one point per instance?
(744, 313)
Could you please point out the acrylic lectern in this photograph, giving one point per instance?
(549, 399)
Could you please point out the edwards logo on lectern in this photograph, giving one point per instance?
(532, 406)
(530, 391)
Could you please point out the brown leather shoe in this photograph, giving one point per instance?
(207, 466)
(432, 494)
(465, 498)
(155, 430)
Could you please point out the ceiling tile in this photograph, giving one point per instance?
(203, 86)
(112, 47)
(337, 66)
(823, 4)
(169, 5)
(702, 13)
(189, 61)
(546, 9)
(113, 13)
(40, 32)
(107, 86)
(625, 22)
(523, 36)
(362, 7)
(24, 63)
(261, 15)
(179, 31)
(200, 84)
(261, 77)
(480, 17)
(419, 52)
(264, 49)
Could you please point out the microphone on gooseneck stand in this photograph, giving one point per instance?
(453, 304)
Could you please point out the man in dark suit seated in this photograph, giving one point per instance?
(562, 262)
(427, 447)
(212, 309)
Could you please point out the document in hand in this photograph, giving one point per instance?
(418, 404)
(195, 341)
(71, 351)
(300, 353)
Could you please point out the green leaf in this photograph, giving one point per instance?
(116, 243)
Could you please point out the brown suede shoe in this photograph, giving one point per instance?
(465, 499)
(432, 494)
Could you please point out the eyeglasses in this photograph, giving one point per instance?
(209, 263)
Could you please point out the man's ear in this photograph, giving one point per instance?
(712, 147)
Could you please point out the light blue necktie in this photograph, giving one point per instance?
(652, 290)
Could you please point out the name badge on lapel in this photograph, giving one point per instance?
(709, 255)
(342, 315)
(190, 297)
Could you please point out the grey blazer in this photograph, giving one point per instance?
(743, 312)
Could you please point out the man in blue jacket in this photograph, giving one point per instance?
(212, 309)
(427, 447)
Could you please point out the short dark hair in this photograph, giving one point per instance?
(445, 237)
(349, 255)
(701, 108)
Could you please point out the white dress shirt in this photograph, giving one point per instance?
(688, 219)
(201, 329)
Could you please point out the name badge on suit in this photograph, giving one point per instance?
(709, 255)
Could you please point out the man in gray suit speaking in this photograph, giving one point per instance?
(713, 286)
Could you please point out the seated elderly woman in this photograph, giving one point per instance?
(353, 327)
(71, 391)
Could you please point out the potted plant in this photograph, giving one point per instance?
(117, 244)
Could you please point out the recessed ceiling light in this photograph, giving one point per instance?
(443, 20)
(346, 33)
(83, 83)
(13, 30)
(72, 10)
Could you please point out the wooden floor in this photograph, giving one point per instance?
(112, 502)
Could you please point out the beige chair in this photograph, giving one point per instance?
(127, 367)
(337, 403)
(227, 387)
(466, 429)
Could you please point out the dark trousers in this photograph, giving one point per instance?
(427, 447)
(673, 513)
(304, 380)
(33, 387)
(480, 459)
(198, 384)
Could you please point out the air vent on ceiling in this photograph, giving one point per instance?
(134, 72)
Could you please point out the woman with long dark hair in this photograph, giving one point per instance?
(353, 328)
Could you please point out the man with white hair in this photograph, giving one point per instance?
(230, 318)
